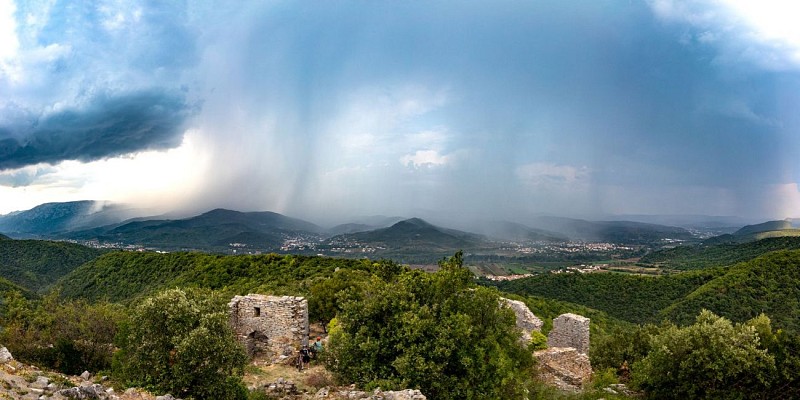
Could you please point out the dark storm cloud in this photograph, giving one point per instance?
(106, 127)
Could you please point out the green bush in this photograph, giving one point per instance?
(538, 341)
(179, 341)
(436, 332)
(68, 336)
(713, 358)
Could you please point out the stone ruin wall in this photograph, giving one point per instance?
(271, 325)
(570, 330)
(527, 322)
(565, 363)
(564, 367)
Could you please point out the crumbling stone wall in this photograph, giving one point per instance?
(527, 322)
(570, 330)
(564, 368)
(271, 325)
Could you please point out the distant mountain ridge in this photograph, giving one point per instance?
(516, 232)
(215, 230)
(222, 230)
(610, 231)
(51, 219)
(764, 227)
(751, 233)
(411, 235)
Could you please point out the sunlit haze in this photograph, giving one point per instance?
(329, 110)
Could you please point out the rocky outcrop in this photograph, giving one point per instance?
(526, 321)
(5, 355)
(287, 390)
(26, 382)
(564, 367)
(377, 394)
(88, 390)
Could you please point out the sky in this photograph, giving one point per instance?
(476, 109)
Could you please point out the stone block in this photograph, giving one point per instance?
(570, 330)
(564, 367)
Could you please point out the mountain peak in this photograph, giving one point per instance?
(415, 221)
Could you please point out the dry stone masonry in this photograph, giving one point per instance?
(270, 325)
(564, 367)
(526, 321)
(570, 330)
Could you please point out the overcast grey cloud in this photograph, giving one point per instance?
(484, 109)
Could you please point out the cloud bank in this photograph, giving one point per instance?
(106, 127)
(351, 108)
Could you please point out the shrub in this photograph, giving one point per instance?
(436, 332)
(179, 341)
(713, 358)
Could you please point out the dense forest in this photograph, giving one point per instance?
(633, 298)
(767, 284)
(37, 264)
(717, 255)
(122, 276)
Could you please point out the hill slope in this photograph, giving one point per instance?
(632, 298)
(768, 284)
(611, 231)
(50, 219)
(717, 255)
(37, 264)
(122, 276)
(410, 238)
(763, 227)
(215, 230)
(512, 231)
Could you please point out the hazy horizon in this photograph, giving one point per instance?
(496, 110)
(123, 212)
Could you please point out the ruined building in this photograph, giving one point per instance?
(272, 326)
(570, 330)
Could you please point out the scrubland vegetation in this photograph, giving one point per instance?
(159, 321)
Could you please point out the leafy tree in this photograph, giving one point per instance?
(325, 295)
(433, 331)
(179, 341)
(713, 358)
(785, 347)
(623, 346)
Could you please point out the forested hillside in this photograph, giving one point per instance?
(632, 298)
(121, 276)
(37, 264)
(769, 284)
(717, 255)
(7, 286)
